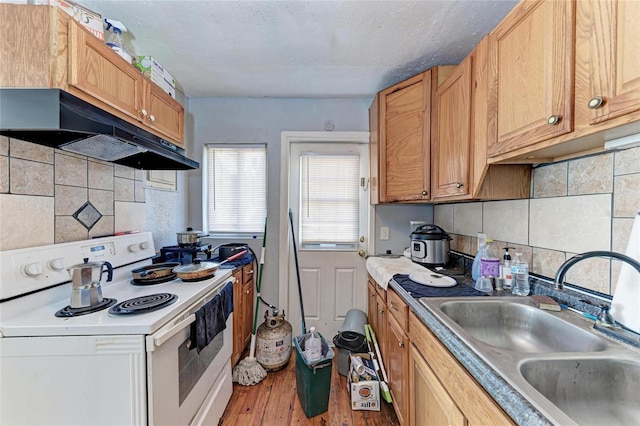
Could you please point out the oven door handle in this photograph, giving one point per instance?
(159, 339)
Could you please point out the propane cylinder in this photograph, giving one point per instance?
(273, 341)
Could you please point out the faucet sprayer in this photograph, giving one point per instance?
(559, 281)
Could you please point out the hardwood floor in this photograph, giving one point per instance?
(274, 401)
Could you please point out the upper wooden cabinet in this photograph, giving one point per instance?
(544, 52)
(400, 123)
(459, 139)
(532, 75)
(609, 52)
(46, 48)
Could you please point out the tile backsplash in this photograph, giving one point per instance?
(50, 196)
(578, 205)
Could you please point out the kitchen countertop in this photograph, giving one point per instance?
(515, 404)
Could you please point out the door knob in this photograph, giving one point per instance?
(362, 253)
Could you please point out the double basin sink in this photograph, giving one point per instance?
(555, 360)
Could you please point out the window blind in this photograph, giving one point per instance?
(329, 199)
(236, 188)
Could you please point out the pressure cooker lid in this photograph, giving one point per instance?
(430, 232)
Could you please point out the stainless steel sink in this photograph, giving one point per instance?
(592, 391)
(517, 327)
(564, 368)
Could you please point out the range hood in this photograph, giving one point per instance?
(60, 120)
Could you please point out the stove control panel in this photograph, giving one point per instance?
(34, 268)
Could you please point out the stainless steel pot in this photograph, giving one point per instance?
(200, 270)
(430, 245)
(189, 237)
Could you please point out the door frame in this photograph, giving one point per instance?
(284, 250)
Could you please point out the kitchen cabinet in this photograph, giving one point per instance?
(54, 51)
(459, 139)
(242, 310)
(400, 122)
(429, 402)
(397, 355)
(532, 75)
(597, 79)
(441, 390)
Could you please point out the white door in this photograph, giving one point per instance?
(329, 201)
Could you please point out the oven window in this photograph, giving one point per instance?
(192, 365)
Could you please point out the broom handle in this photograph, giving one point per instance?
(295, 253)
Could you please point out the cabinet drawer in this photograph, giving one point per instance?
(398, 309)
(247, 272)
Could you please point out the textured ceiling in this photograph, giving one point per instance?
(300, 48)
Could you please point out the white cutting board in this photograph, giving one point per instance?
(625, 306)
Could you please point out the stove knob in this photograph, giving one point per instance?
(32, 269)
(144, 245)
(57, 264)
(133, 248)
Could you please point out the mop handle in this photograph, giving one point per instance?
(260, 268)
(295, 253)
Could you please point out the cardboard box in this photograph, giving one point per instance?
(87, 18)
(156, 72)
(365, 394)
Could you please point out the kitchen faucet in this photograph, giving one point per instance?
(559, 281)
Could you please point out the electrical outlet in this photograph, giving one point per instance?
(384, 233)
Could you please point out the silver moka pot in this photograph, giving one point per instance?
(85, 283)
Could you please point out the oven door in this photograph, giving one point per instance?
(183, 383)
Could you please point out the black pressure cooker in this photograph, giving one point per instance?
(430, 245)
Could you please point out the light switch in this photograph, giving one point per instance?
(384, 233)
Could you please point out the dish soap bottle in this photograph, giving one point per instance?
(312, 346)
(489, 262)
(475, 267)
(520, 273)
(505, 267)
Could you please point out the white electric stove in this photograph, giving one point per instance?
(99, 367)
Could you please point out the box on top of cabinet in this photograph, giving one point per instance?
(85, 17)
(156, 72)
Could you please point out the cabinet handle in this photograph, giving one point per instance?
(152, 117)
(424, 192)
(393, 306)
(143, 112)
(401, 344)
(553, 120)
(458, 185)
(595, 102)
(381, 311)
(247, 291)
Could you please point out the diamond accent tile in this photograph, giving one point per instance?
(87, 215)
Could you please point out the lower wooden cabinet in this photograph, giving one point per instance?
(429, 402)
(441, 391)
(397, 363)
(242, 310)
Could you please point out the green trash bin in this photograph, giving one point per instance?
(313, 381)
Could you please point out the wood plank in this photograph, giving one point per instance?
(274, 401)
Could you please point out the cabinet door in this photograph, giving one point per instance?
(614, 61)
(381, 326)
(372, 306)
(397, 360)
(247, 304)
(238, 339)
(429, 402)
(164, 114)
(99, 72)
(451, 134)
(404, 147)
(532, 75)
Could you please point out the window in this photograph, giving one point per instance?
(329, 199)
(235, 188)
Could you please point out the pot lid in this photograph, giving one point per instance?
(430, 232)
(190, 231)
(196, 266)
